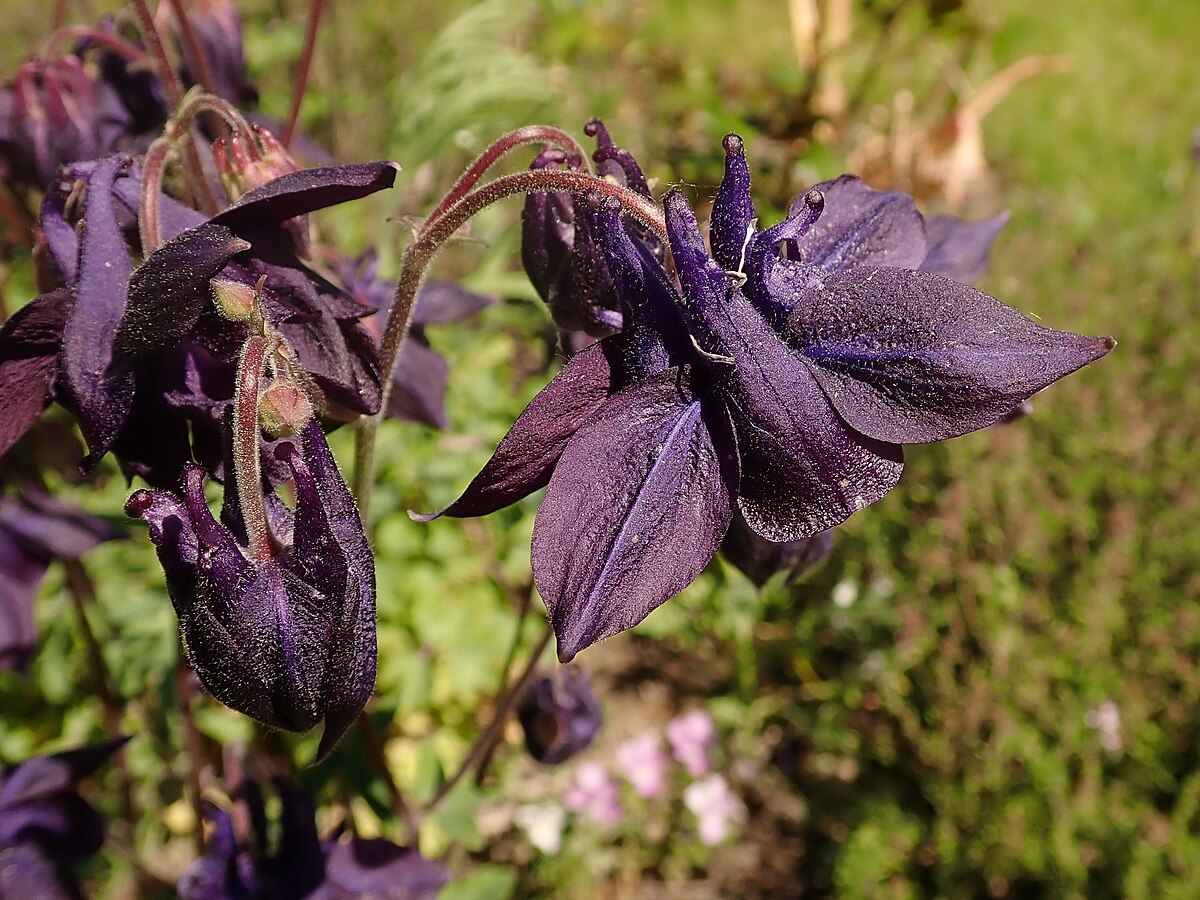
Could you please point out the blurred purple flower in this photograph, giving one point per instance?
(692, 737)
(594, 795)
(421, 374)
(642, 762)
(716, 808)
(44, 823)
(300, 865)
(36, 529)
(559, 715)
(288, 638)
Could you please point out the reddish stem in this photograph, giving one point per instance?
(127, 50)
(310, 44)
(530, 134)
(154, 165)
(192, 46)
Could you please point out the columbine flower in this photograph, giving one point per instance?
(34, 530)
(45, 824)
(283, 633)
(760, 559)
(778, 379)
(717, 809)
(594, 795)
(559, 715)
(692, 736)
(300, 864)
(644, 765)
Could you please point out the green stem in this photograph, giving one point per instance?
(247, 463)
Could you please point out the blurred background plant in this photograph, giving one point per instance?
(990, 689)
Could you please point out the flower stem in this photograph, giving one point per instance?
(128, 51)
(375, 751)
(153, 168)
(530, 134)
(247, 462)
(504, 707)
(193, 745)
(203, 71)
(424, 247)
(310, 43)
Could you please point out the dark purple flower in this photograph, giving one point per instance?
(421, 373)
(559, 715)
(36, 529)
(559, 251)
(288, 638)
(779, 379)
(300, 865)
(48, 117)
(146, 360)
(44, 823)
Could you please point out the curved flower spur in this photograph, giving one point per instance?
(778, 376)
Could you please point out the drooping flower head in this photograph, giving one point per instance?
(777, 376)
(283, 631)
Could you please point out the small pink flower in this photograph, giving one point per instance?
(691, 737)
(594, 795)
(642, 761)
(715, 806)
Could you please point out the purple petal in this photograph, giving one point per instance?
(802, 469)
(731, 226)
(909, 357)
(861, 226)
(636, 508)
(50, 528)
(526, 457)
(308, 190)
(959, 249)
(375, 867)
(169, 291)
(419, 384)
(443, 302)
(60, 236)
(27, 871)
(99, 384)
(30, 343)
(760, 559)
(20, 574)
(42, 777)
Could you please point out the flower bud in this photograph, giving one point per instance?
(283, 409)
(233, 299)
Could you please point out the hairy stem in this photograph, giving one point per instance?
(530, 134)
(247, 463)
(127, 50)
(310, 43)
(203, 71)
(154, 167)
(424, 247)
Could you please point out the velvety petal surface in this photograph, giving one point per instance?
(30, 342)
(169, 291)
(803, 470)
(861, 226)
(910, 357)
(100, 385)
(419, 384)
(732, 225)
(635, 510)
(527, 455)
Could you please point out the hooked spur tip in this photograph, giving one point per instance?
(138, 503)
(425, 517)
(815, 200)
(733, 144)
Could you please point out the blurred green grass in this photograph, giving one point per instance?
(936, 726)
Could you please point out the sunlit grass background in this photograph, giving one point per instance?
(933, 733)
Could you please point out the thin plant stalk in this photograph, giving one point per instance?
(310, 43)
(375, 752)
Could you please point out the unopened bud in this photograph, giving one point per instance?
(246, 161)
(283, 409)
(234, 300)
